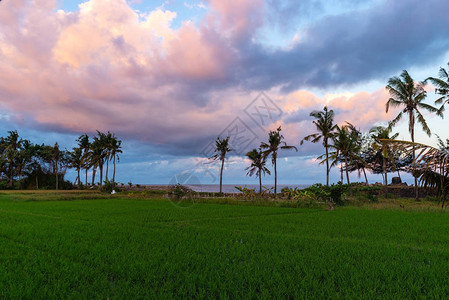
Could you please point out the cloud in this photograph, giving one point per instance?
(109, 67)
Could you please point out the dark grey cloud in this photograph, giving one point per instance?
(354, 47)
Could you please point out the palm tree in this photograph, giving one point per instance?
(405, 93)
(98, 155)
(13, 144)
(76, 161)
(258, 161)
(324, 123)
(85, 145)
(272, 147)
(221, 148)
(378, 134)
(116, 146)
(442, 87)
(347, 146)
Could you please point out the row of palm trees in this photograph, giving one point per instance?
(20, 159)
(257, 157)
(346, 145)
(104, 148)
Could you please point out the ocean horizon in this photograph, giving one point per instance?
(230, 188)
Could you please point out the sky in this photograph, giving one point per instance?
(169, 77)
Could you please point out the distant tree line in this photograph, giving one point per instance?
(24, 165)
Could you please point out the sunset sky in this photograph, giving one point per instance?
(169, 77)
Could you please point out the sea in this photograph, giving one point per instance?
(230, 188)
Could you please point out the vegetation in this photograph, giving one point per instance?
(131, 247)
(257, 167)
(24, 165)
(324, 123)
(221, 149)
(275, 143)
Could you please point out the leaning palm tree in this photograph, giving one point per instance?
(272, 147)
(258, 161)
(406, 93)
(221, 149)
(432, 165)
(441, 87)
(325, 126)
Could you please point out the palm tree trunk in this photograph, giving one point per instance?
(94, 171)
(366, 178)
(113, 173)
(327, 163)
(86, 176)
(341, 172)
(79, 179)
(384, 167)
(275, 178)
(37, 183)
(107, 167)
(260, 182)
(221, 176)
(414, 175)
(101, 174)
(346, 166)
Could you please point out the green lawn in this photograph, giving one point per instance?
(136, 248)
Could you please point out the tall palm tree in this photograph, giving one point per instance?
(99, 154)
(116, 148)
(379, 134)
(76, 162)
(13, 143)
(221, 149)
(258, 161)
(441, 87)
(324, 123)
(272, 147)
(85, 145)
(406, 93)
(347, 146)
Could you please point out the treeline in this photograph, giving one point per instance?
(24, 165)
(376, 151)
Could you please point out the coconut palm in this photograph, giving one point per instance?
(76, 162)
(431, 163)
(98, 155)
(258, 161)
(12, 143)
(324, 123)
(272, 147)
(116, 148)
(441, 87)
(409, 95)
(85, 145)
(378, 134)
(221, 149)
(346, 147)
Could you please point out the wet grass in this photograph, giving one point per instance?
(125, 247)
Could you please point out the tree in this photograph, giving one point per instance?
(57, 159)
(272, 147)
(221, 149)
(76, 162)
(324, 123)
(378, 134)
(12, 143)
(441, 87)
(258, 161)
(98, 155)
(405, 93)
(347, 146)
(116, 148)
(85, 145)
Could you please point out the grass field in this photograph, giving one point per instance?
(144, 248)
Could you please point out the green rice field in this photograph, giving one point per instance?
(121, 247)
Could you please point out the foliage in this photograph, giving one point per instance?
(115, 247)
(247, 193)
